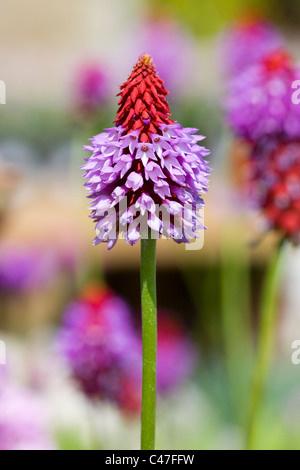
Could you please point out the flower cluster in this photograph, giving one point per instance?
(147, 172)
(247, 42)
(260, 110)
(99, 344)
(275, 179)
(260, 99)
(103, 350)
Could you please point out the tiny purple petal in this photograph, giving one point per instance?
(134, 181)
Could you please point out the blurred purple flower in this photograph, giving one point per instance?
(171, 49)
(98, 341)
(91, 85)
(25, 268)
(104, 351)
(260, 100)
(247, 42)
(22, 420)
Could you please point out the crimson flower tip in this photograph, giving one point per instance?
(146, 59)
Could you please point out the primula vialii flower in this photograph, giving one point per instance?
(247, 42)
(261, 110)
(260, 99)
(103, 349)
(99, 344)
(147, 172)
(276, 185)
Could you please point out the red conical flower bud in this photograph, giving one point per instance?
(142, 105)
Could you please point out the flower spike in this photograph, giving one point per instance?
(146, 156)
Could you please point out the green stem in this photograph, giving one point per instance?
(236, 323)
(149, 330)
(267, 331)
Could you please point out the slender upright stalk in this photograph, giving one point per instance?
(236, 322)
(149, 330)
(267, 331)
